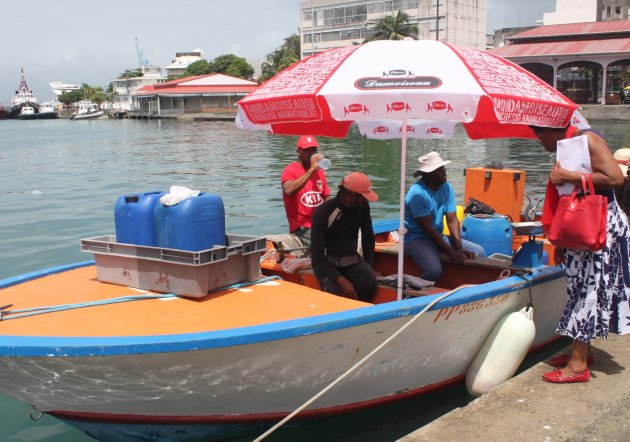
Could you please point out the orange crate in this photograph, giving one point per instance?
(503, 190)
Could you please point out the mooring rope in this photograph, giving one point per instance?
(358, 364)
(32, 311)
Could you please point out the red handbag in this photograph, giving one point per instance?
(579, 221)
(549, 207)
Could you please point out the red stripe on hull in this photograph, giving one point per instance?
(252, 418)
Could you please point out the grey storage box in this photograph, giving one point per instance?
(181, 272)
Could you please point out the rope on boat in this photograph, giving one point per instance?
(358, 364)
(239, 285)
(22, 313)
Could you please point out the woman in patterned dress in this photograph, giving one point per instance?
(598, 283)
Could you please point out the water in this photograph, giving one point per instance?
(61, 179)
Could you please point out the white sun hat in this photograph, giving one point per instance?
(429, 162)
(623, 159)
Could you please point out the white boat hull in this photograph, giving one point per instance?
(239, 379)
(88, 115)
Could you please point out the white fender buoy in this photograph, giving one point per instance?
(502, 352)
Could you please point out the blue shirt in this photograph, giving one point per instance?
(422, 201)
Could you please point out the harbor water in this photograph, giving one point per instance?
(61, 180)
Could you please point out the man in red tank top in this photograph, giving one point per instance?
(304, 187)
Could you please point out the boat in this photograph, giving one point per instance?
(167, 344)
(27, 113)
(3, 112)
(47, 110)
(87, 109)
(23, 97)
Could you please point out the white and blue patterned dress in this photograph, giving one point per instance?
(598, 284)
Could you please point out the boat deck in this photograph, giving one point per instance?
(264, 303)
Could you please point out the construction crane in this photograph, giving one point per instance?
(142, 60)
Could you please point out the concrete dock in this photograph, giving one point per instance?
(527, 409)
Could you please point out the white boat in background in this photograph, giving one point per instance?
(87, 109)
(23, 97)
(27, 113)
(24, 94)
(47, 110)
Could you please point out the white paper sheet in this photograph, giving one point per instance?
(572, 154)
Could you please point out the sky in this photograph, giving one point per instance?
(93, 41)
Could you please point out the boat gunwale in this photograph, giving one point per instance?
(63, 346)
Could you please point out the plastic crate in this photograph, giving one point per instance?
(181, 272)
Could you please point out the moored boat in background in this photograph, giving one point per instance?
(23, 97)
(27, 113)
(47, 110)
(3, 112)
(87, 109)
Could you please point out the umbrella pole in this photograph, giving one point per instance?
(401, 214)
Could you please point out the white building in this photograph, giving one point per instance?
(124, 87)
(326, 24)
(181, 62)
(580, 11)
(59, 88)
(209, 94)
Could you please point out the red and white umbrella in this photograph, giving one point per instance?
(397, 89)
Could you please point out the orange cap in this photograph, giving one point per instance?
(307, 141)
(359, 183)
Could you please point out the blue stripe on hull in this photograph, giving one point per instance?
(105, 346)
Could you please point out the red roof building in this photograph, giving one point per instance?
(587, 62)
(212, 93)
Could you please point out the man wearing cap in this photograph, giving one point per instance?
(427, 202)
(336, 224)
(304, 187)
(623, 194)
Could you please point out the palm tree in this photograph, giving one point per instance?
(394, 27)
(281, 58)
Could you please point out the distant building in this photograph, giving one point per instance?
(326, 24)
(212, 93)
(502, 36)
(587, 62)
(580, 11)
(181, 62)
(570, 11)
(59, 88)
(124, 87)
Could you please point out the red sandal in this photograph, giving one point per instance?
(555, 377)
(563, 359)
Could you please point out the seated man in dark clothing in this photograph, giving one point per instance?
(335, 228)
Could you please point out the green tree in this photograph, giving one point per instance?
(281, 58)
(131, 73)
(71, 96)
(85, 92)
(394, 27)
(199, 67)
(99, 95)
(233, 65)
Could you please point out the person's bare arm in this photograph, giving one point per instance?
(606, 172)
(293, 186)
